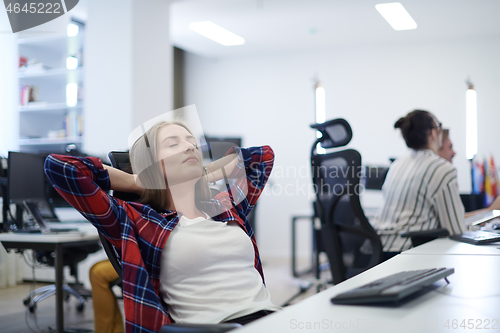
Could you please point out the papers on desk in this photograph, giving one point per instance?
(69, 214)
(482, 217)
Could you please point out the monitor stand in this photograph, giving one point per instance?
(19, 216)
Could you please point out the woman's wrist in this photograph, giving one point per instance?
(210, 174)
(224, 165)
(138, 186)
(123, 181)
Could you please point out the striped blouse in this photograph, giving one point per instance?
(420, 193)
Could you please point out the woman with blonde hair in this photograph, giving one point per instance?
(186, 257)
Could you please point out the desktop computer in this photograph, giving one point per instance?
(3, 189)
(217, 146)
(26, 181)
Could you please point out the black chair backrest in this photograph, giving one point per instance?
(112, 254)
(336, 133)
(336, 179)
(119, 160)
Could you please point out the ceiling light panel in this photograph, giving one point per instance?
(217, 33)
(396, 15)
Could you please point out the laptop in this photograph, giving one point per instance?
(482, 217)
(32, 208)
(477, 237)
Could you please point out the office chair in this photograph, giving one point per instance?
(344, 226)
(71, 257)
(121, 160)
(350, 242)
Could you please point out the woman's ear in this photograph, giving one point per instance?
(433, 134)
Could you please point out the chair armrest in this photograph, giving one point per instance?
(199, 328)
(427, 233)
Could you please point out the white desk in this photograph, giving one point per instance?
(451, 247)
(473, 293)
(56, 243)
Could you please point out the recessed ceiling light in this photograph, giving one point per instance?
(396, 15)
(217, 33)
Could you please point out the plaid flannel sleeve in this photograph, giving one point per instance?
(251, 173)
(84, 184)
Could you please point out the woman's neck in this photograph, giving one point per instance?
(182, 199)
(432, 147)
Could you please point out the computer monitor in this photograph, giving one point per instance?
(374, 177)
(26, 181)
(218, 146)
(3, 189)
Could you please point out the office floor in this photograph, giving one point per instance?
(14, 318)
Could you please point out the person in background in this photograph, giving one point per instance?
(107, 315)
(421, 189)
(446, 150)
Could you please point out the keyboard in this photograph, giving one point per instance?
(61, 230)
(477, 237)
(49, 231)
(27, 231)
(393, 288)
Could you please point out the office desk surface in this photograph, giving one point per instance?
(86, 232)
(473, 295)
(448, 246)
(56, 243)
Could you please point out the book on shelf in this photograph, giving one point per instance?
(22, 60)
(29, 94)
(73, 124)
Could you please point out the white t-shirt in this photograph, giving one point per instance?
(207, 273)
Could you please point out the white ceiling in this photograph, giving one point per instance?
(277, 26)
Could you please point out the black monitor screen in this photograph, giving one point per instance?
(26, 178)
(218, 146)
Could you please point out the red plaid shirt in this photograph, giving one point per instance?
(140, 233)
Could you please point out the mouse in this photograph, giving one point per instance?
(496, 226)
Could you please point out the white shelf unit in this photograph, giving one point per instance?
(49, 124)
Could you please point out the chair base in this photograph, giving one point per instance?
(42, 293)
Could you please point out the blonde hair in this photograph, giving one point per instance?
(144, 161)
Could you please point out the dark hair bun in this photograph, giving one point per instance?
(400, 122)
(416, 127)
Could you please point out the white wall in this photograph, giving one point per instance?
(269, 100)
(108, 76)
(128, 61)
